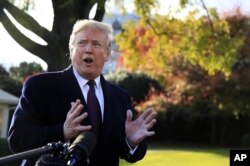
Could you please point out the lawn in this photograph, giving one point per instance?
(184, 156)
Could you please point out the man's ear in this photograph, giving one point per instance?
(108, 54)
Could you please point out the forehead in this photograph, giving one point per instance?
(91, 34)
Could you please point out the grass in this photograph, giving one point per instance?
(183, 156)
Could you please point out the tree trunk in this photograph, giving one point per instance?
(66, 13)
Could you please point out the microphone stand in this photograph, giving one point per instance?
(50, 147)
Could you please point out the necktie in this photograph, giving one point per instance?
(94, 108)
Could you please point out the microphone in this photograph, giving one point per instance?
(50, 160)
(33, 153)
(80, 150)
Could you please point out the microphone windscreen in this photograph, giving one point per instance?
(85, 141)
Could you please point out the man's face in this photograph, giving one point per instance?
(89, 52)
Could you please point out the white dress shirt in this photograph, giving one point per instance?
(85, 88)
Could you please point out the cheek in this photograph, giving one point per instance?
(75, 53)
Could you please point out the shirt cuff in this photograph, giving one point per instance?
(132, 150)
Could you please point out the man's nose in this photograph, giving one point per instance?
(89, 47)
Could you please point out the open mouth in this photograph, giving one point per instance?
(88, 60)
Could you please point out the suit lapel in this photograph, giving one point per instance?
(108, 110)
(69, 89)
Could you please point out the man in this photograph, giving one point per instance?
(55, 106)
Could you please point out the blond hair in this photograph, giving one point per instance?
(82, 24)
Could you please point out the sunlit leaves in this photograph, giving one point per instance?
(144, 7)
(183, 2)
(152, 45)
(215, 51)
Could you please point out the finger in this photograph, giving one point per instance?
(150, 124)
(75, 113)
(129, 116)
(150, 117)
(78, 101)
(80, 118)
(146, 113)
(74, 105)
(150, 133)
(83, 128)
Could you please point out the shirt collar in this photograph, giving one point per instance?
(82, 81)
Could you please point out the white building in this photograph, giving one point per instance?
(7, 101)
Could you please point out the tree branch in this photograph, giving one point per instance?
(29, 22)
(100, 10)
(208, 16)
(20, 38)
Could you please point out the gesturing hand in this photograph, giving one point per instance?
(138, 130)
(72, 126)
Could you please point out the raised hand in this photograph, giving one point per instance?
(72, 126)
(138, 130)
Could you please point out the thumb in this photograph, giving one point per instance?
(129, 116)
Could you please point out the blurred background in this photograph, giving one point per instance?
(189, 59)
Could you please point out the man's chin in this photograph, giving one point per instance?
(88, 75)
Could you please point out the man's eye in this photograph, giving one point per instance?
(82, 42)
(96, 44)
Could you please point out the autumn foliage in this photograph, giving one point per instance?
(203, 63)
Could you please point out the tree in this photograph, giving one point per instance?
(204, 63)
(9, 84)
(13, 79)
(24, 71)
(65, 14)
(163, 41)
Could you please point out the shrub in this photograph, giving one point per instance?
(138, 85)
(4, 150)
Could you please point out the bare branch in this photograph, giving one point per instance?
(21, 39)
(208, 16)
(28, 22)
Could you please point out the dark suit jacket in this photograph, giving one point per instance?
(43, 107)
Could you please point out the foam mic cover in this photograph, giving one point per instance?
(80, 150)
